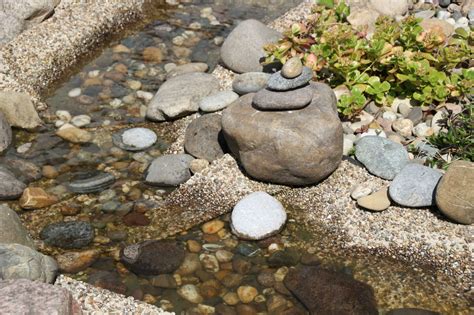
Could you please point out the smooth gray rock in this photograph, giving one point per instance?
(204, 138)
(181, 95)
(10, 27)
(12, 230)
(5, 133)
(250, 82)
(218, 101)
(279, 83)
(169, 170)
(292, 68)
(91, 183)
(10, 187)
(32, 11)
(19, 110)
(187, 68)
(382, 157)
(242, 50)
(289, 100)
(18, 261)
(23, 296)
(298, 147)
(72, 234)
(134, 139)
(415, 186)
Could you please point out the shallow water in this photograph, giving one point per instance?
(109, 86)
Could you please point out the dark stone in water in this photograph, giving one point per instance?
(326, 292)
(24, 171)
(278, 83)
(153, 257)
(10, 186)
(108, 280)
(74, 234)
(91, 183)
(287, 257)
(411, 311)
(135, 219)
(247, 249)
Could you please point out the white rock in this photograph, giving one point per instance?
(373, 132)
(257, 216)
(24, 147)
(140, 138)
(347, 146)
(63, 115)
(422, 130)
(191, 293)
(147, 96)
(81, 120)
(362, 190)
(390, 116)
(451, 21)
(436, 121)
(74, 92)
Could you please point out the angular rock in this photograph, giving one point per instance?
(378, 201)
(134, 139)
(454, 195)
(250, 82)
(292, 68)
(18, 261)
(12, 230)
(72, 234)
(279, 83)
(181, 95)
(242, 50)
(10, 187)
(5, 133)
(187, 68)
(90, 183)
(218, 101)
(257, 216)
(289, 100)
(382, 157)
(19, 110)
(415, 186)
(169, 170)
(73, 262)
(204, 138)
(153, 257)
(23, 296)
(327, 292)
(298, 147)
(36, 198)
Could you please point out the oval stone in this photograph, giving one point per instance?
(292, 68)
(250, 82)
(294, 99)
(279, 83)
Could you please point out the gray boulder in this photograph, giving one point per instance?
(415, 186)
(382, 157)
(23, 296)
(169, 170)
(204, 138)
(242, 50)
(21, 262)
(10, 27)
(11, 229)
(298, 147)
(5, 133)
(31, 11)
(181, 96)
(10, 187)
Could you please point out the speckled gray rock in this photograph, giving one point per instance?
(279, 83)
(19, 110)
(415, 186)
(32, 11)
(91, 183)
(454, 195)
(72, 234)
(204, 138)
(243, 48)
(23, 296)
(10, 187)
(11, 229)
(10, 26)
(298, 147)
(250, 82)
(169, 170)
(181, 95)
(5, 133)
(18, 261)
(382, 157)
(289, 100)
(218, 101)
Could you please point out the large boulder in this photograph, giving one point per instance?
(19, 110)
(30, 11)
(181, 95)
(298, 147)
(21, 262)
(242, 50)
(32, 297)
(327, 292)
(11, 229)
(454, 196)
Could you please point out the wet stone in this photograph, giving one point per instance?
(73, 262)
(107, 280)
(134, 139)
(73, 234)
(36, 198)
(90, 183)
(10, 187)
(5, 133)
(164, 281)
(289, 100)
(278, 83)
(286, 257)
(23, 170)
(250, 82)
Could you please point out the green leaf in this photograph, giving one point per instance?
(373, 81)
(327, 3)
(385, 86)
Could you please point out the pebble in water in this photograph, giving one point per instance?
(135, 139)
(74, 234)
(92, 183)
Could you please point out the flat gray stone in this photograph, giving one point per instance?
(134, 139)
(250, 82)
(10, 187)
(169, 170)
(180, 96)
(279, 83)
(12, 230)
(289, 100)
(415, 186)
(218, 101)
(242, 50)
(5, 133)
(382, 157)
(18, 261)
(187, 68)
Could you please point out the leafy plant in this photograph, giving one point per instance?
(399, 60)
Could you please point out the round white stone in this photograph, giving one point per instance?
(81, 120)
(140, 138)
(257, 216)
(74, 92)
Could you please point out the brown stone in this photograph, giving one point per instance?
(36, 198)
(73, 134)
(153, 54)
(73, 262)
(50, 172)
(135, 219)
